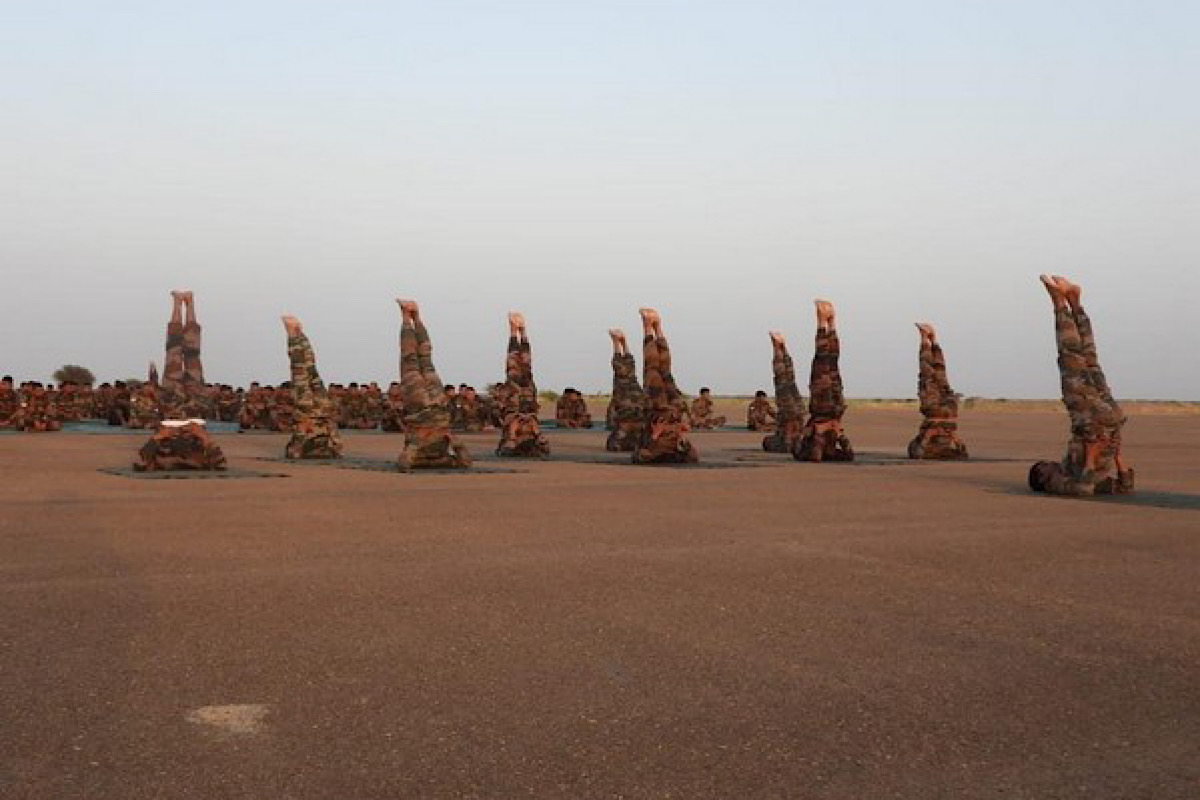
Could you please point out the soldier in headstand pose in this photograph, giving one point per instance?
(664, 436)
(790, 418)
(428, 443)
(822, 438)
(180, 442)
(1093, 463)
(520, 435)
(627, 408)
(314, 430)
(938, 437)
(182, 390)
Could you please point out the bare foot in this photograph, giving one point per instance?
(824, 313)
(291, 325)
(408, 308)
(1053, 289)
(1073, 292)
(177, 296)
(777, 338)
(926, 330)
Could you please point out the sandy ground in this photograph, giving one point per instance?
(884, 629)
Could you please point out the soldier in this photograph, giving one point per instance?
(393, 409)
(428, 443)
(938, 437)
(182, 387)
(10, 403)
(143, 407)
(571, 410)
(822, 438)
(520, 435)
(119, 407)
(627, 408)
(788, 399)
(473, 411)
(1093, 463)
(180, 444)
(702, 412)
(227, 404)
(664, 434)
(314, 434)
(282, 409)
(355, 409)
(39, 411)
(256, 408)
(760, 416)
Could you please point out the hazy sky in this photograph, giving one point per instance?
(724, 161)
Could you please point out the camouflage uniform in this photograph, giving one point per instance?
(10, 403)
(143, 408)
(428, 442)
(315, 432)
(355, 411)
(702, 414)
(822, 438)
(393, 410)
(664, 432)
(627, 409)
(571, 411)
(256, 410)
(938, 437)
(1089, 466)
(473, 412)
(227, 404)
(38, 411)
(520, 435)
(760, 416)
(790, 419)
(283, 410)
(185, 446)
(183, 373)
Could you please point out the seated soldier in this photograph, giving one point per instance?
(283, 409)
(119, 407)
(822, 438)
(938, 437)
(143, 407)
(314, 433)
(1093, 463)
(473, 412)
(790, 420)
(520, 435)
(702, 412)
(9, 402)
(760, 416)
(227, 404)
(664, 434)
(428, 442)
(256, 408)
(180, 444)
(355, 409)
(374, 397)
(38, 411)
(571, 410)
(393, 409)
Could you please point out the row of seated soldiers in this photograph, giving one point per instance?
(133, 404)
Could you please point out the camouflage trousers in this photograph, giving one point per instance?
(788, 400)
(428, 442)
(314, 430)
(183, 373)
(938, 437)
(180, 447)
(822, 438)
(627, 409)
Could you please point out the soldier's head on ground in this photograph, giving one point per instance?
(1039, 475)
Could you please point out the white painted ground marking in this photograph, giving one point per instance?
(240, 719)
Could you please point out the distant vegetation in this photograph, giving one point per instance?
(73, 373)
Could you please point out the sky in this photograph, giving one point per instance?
(725, 161)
